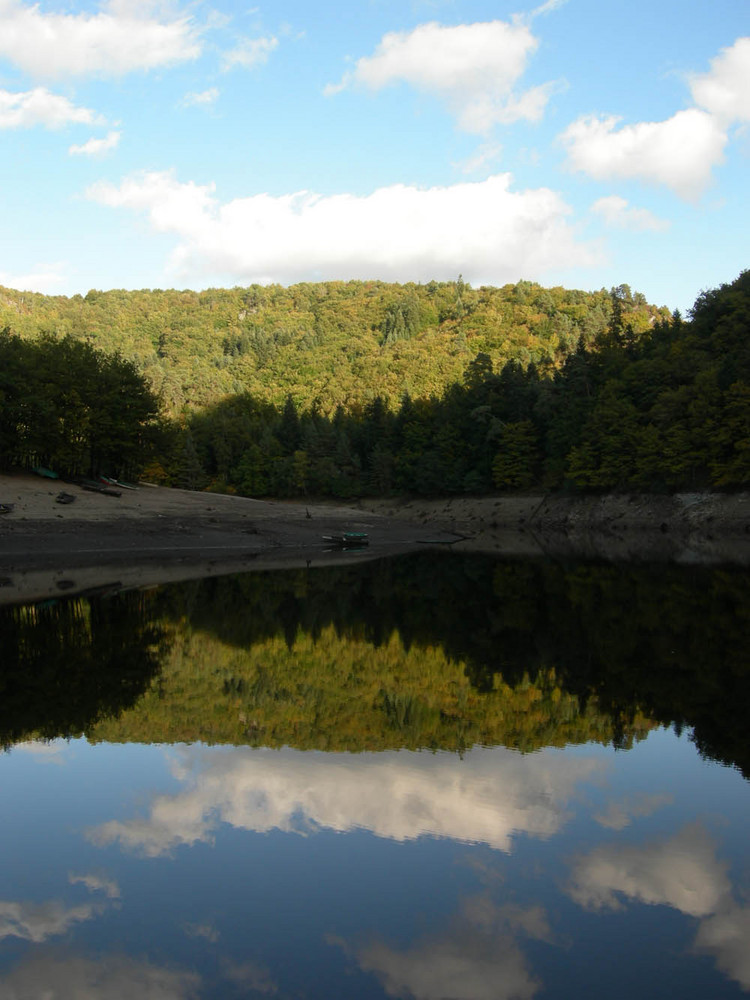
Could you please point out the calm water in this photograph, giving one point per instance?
(440, 777)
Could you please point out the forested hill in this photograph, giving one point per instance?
(326, 344)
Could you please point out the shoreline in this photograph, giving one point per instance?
(158, 534)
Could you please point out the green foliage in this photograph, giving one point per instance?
(66, 405)
(330, 344)
(342, 389)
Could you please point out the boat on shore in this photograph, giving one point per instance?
(348, 539)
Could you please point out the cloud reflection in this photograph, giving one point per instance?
(38, 921)
(479, 958)
(487, 797)
(111, 978)
(682, 872)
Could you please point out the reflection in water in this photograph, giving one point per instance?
(477, 958)
(682, 872)
(436, 650)
(262, 866)
(113, 977)
(38, 921)
(488, 797)
(67, 663)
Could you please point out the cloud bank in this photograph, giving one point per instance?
(486, 231)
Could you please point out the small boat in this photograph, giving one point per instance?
(7, 508)
(92, 487)
(45, 473)
(108, 481)
(348, 540)
(63, 497)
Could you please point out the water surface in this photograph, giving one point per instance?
(431, 778)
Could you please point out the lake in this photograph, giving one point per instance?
(438, 776)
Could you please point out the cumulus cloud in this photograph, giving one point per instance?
(486, 231)
(96, 147)
(488, 797)
(25, 109)
(725, 90)
(249, 53)
(616, 212)
(679, 153)
(119, 38)
(111, 978)
(473, 68)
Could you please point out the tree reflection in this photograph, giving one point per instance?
(68, 663)
(438, 650)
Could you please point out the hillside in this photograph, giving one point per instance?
(328, 344)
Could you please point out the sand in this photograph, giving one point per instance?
(154, 534)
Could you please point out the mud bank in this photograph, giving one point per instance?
(685, 527)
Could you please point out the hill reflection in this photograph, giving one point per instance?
(435, 650)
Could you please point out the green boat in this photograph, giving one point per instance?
(348, 540)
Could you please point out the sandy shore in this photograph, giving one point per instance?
(153, 534)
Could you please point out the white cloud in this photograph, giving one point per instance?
(249, 53)
(25, 109)
(119, 38)
(682, 151)
(616, 213)
(488, 797)
(96, 147)
(110, 978)
(679, 153)
(201, 99)
(38, 921)
(725, 90)
(474, 68)
(47, 279)
(485, 231)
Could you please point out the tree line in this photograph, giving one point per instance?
(327, 343)
(66, 405)
(662, 406)
(664, 409)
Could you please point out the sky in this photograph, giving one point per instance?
(583, 143)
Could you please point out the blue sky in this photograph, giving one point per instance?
(576, 142)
